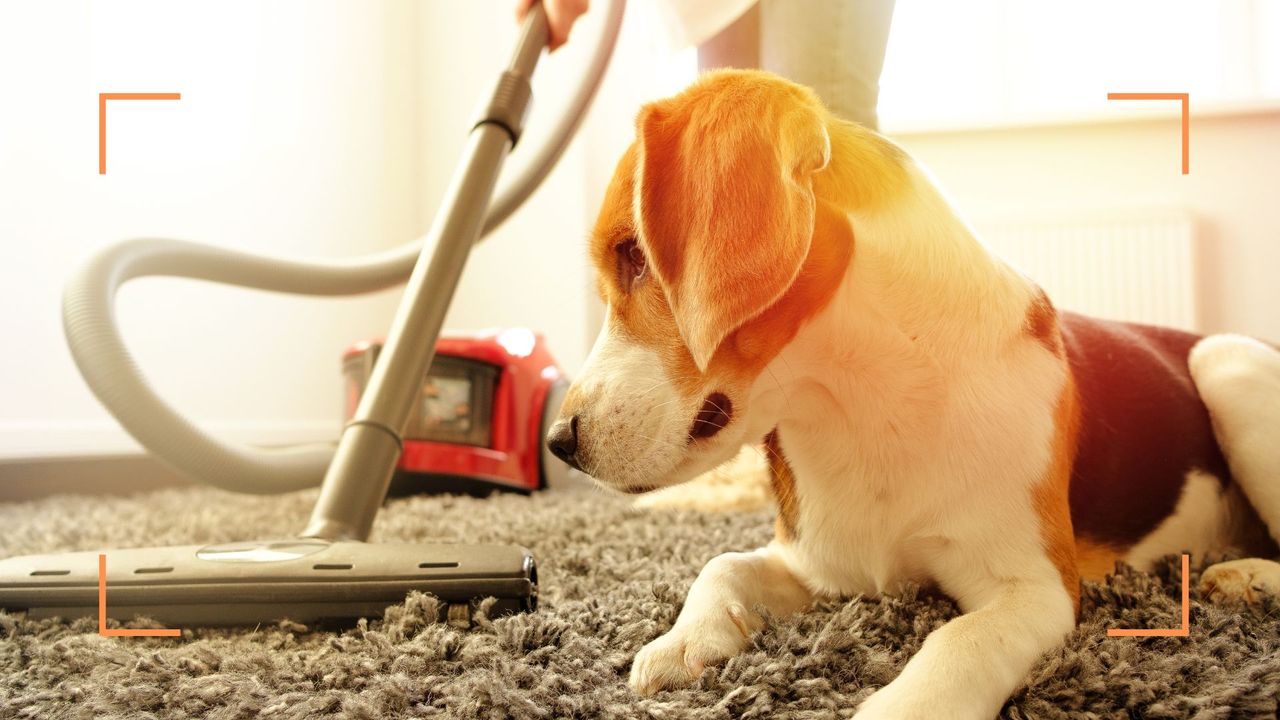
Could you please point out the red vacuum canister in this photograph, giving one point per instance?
(480, 415)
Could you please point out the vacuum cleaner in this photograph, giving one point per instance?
(329, 572)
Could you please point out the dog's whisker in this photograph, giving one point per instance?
(715, 405)
(658, 441)
(786, 396)
(716, 425)
(762, 448)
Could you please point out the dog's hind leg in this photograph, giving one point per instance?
(1239, 380)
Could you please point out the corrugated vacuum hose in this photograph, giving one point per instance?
(109, 369)
(330, 573)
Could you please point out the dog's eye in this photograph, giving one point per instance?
(632, 264)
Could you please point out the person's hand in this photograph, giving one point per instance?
(561, 15)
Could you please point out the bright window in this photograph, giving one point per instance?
(995, 62)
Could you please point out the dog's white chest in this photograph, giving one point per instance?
(854, 542)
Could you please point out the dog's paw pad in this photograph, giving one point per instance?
(1241, 581)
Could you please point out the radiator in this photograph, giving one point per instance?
(1137, 266)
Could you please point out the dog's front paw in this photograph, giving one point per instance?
(679, 657)
(1241, 581)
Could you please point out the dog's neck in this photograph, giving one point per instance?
(920, 301)
(915, 262)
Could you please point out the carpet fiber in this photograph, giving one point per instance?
(613, 578)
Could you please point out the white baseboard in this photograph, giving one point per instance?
(25, 440)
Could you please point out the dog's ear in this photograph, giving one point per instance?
(724, 202)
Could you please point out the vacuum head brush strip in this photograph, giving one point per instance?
(305, 580)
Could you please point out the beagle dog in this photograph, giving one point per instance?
(772, 271)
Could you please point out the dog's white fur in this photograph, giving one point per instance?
(918, 419)
(924, 470)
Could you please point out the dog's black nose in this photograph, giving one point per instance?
(563, 441)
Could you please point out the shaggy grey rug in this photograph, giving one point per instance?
(613, 578)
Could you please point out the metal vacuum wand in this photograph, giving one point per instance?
(357, 480)
(330, 573)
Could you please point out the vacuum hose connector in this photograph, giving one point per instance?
(88, 308)
(508, 105)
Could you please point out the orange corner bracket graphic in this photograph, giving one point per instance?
(1185, 99)
(102, 612)
(102, 118)
(1183, 631)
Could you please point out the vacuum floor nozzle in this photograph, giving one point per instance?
(303, 579)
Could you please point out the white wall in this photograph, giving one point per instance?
(305, 127)
(1231, 191)
(295, 134)
(332, 128)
